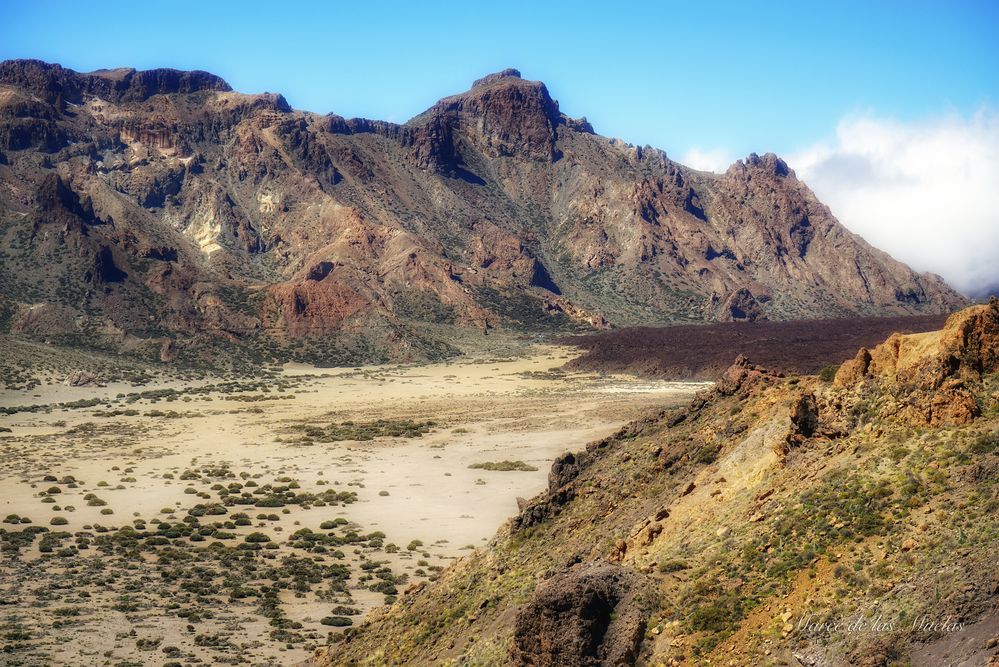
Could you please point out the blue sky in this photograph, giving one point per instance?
(744, 76)
(905, 94)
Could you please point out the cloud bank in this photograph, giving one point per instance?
(925, 192)
(715, 159)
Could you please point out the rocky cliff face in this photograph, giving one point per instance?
(935, 371)
(775, 520)
(165, 207)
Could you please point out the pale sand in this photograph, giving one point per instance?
(485, 410)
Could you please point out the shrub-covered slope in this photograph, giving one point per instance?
(775, 520)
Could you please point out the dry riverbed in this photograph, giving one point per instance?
(239, 522)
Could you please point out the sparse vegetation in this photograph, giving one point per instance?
(362, 431)
(828, 373)
(504, 466)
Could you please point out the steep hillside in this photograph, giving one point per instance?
(774, 521)
(161, 212)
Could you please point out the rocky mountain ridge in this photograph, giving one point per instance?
(162, 212)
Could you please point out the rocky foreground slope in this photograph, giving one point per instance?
(774, 521)
(163, 213)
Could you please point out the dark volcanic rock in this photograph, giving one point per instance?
(58, 203)
(564, 469)
(506, 116)
(705, 351)
(105, 269)
(742, 306)
(57, 85)
(587, 616)
(509, 72)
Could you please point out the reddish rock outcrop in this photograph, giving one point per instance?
(742, 376)
(933, 368)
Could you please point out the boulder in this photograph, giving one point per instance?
(84, 379)
(588, 615)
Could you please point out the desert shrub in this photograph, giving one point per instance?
(985, 443)
(384, 587)
(715, 616)
(341, 610)
(503, 466)
(337, 621)
(148, 643)
(828, 373)
(707, 454)
(672, 566)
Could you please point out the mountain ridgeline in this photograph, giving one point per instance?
(163, 213)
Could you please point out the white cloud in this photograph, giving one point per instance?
(716, 160)
(926, 192)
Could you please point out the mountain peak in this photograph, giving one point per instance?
(769, 163)
(509, 116)
(508, 73)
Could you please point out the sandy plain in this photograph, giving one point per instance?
(240, 522)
